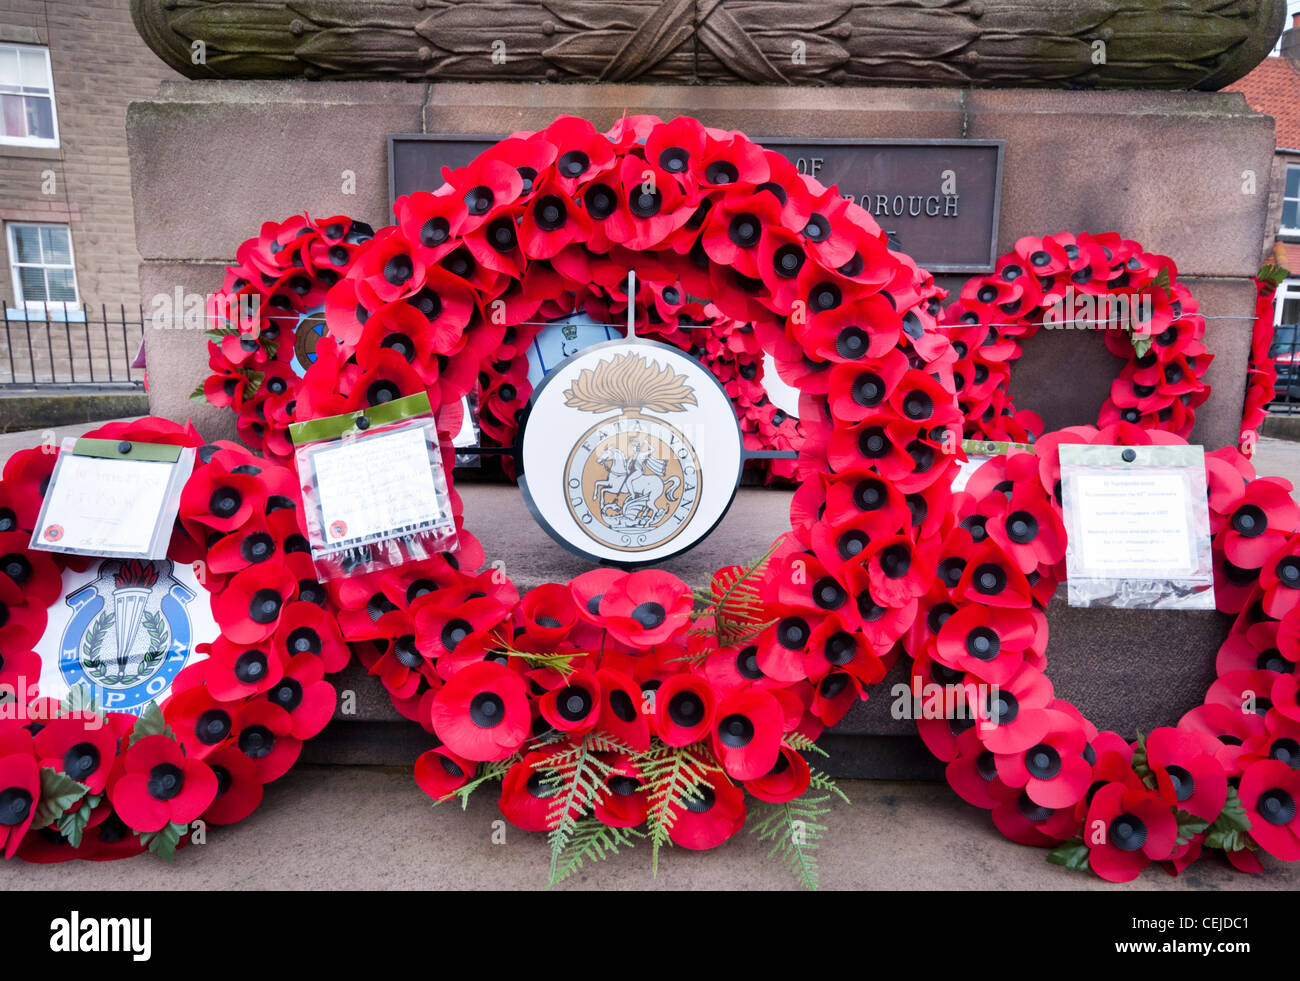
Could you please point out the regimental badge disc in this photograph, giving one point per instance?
(631, 452)
(124, 629)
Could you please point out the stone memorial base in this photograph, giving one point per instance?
(211, 161)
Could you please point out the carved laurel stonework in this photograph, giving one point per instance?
(1156, 44)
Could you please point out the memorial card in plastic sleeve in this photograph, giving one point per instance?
(1138, 522)
(112, 498)
(375, 490)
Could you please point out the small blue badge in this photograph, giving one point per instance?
(129, 634)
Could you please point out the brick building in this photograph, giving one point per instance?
(68, 68)
(1273, 87)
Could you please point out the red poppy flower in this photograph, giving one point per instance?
(1229, 726)
(1030, 529)
(828, 234)
(26, 477)
(83, 751)
(1188, 775)
(530, 795)
(548, 613)
(440, 772)
(159, 784)
(1263, 520)
(482, 712)
(735, 228)
(1125, 830)
(622, 713)
(1269, 792)
(899, 570)
(973, 771)
(1053, 771)
(986, 641)
(445, 619)
(303, 693)
(391, 266)
(1280, 579)
(684, 708)
(581, 151)
(551, 222)
(835, 694)
(783, 646)
(431, 222)
(625, 801)
(305, 628)
(248, 609)
(746, 733)
(1285, 696)
(677, 148)
(394, 658)
(992, 579)
(788, 778)
(835, 644)
(238, 671)
(262, 731)
(1243, 691)
(34, 573)
(574, 705)
(1280, 740)
(1017, 816)
(221, 501)
(1013, 716)
(20, 792)
(239, 791)
(200, 721)
(711, 817)
(649, 206)
(21, 623)
(646, 608)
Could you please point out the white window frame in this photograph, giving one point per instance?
(52, 310)
(37, 141)
(1284, 228)
(1289, 289)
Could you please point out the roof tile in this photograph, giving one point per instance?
(1273, 87)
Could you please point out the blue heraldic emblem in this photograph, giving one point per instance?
(129, 634)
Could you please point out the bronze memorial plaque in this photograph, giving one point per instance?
(937, 199)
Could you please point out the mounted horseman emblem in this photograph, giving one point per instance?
(653, 476)
(638, 476)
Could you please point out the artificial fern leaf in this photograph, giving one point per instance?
(590, 841)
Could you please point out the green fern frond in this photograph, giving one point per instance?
(798, 741)
(823, 781)
(580, 776)
(591, 841)
(485, 772)
(736, 609)
(672, 776)
(563, 663)
(795, 830)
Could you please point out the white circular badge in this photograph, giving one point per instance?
(630, 452)
(123, 629)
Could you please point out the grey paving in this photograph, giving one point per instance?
(371, 828)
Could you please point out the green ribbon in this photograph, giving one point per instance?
(126, 449)
(345, 424)
(989, 447)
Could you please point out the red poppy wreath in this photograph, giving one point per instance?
(622, 700)
(1225, 777)
(80, 782)
(1096, 283)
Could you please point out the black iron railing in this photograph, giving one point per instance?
(71, 347)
